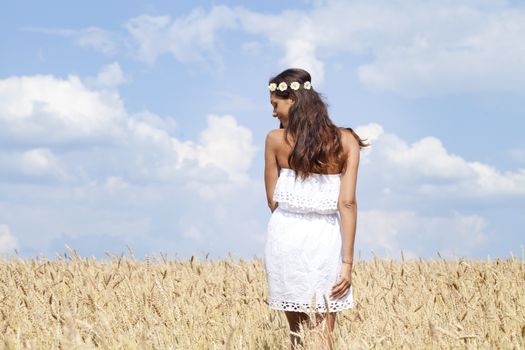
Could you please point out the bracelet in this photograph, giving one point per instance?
(347, 262)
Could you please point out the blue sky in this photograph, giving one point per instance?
(143, 123)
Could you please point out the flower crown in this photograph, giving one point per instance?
(294, 85)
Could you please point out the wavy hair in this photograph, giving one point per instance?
(318, 143)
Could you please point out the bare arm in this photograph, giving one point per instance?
(347, 203)
(271, 169)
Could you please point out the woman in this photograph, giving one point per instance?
(310, 177)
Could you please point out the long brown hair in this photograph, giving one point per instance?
(317, 140)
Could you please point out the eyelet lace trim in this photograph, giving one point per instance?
(318, 193)
(333, 306)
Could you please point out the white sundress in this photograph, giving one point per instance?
(303, 248)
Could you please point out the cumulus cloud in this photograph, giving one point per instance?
(8, 242)
(226, 145)
(388, 232)
(45, 110)
(426, 167)
(118, 175)
(415, 48)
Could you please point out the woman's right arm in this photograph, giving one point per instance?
(271, 168)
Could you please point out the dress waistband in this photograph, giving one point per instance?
(331, 217)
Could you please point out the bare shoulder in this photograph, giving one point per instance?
(275, 133)
(274, 137)
(350, 143)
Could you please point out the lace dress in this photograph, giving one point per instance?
(303, 248)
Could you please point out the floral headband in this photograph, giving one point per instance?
(294, 85)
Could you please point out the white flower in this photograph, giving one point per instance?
(307, 85)
(272, 86)
(295, 85)
(283, 86)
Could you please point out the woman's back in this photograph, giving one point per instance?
(284, 149)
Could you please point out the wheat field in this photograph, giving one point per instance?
(75, 302)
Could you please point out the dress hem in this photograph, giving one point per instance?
(334, 306)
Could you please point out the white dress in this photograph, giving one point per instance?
(303, 248)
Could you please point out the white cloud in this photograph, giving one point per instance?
(194, 37)
(300, 43)
(8, 242)
(226, 145)
(96, 38)
(47, 110)
(301, 54)
(412, 48)
(92, 37)
(56, 112)
(369, 134)
(390, 232)
(32, 164)
(121, 174)
(189, 38)
(109, 76)
(416, 48)
(224, 149)
(149, 33)
(168, 124)
(431, 47)
(429, 158)
(426, 167)
(116, 184)
(41, 161)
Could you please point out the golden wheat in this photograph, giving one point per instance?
(124, 303)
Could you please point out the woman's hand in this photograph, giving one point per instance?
(273, 206)
(342, 286)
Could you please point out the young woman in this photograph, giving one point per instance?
(310, 177)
